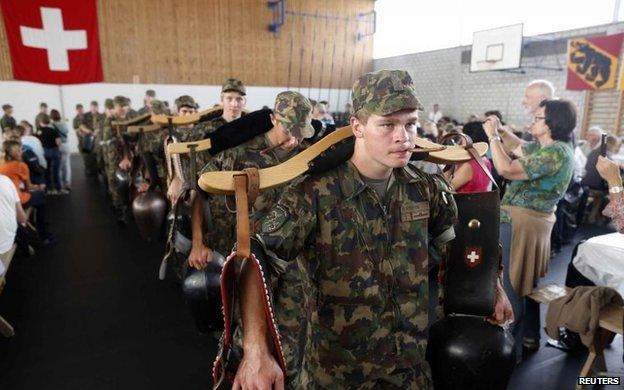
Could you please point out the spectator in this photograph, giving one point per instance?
(593, 184)
(536, 92)
(473, 118)
(30, 195)
(51, 140)
(65, 164)
(435, 115)
(469, 176)
(31, 142)
(43, 112)
(539, 178)
(30, 158)
(11, 212)
(592, 140)
(7, 121)
(431, 131)
(610, 172)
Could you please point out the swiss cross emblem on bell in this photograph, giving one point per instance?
(473, 256)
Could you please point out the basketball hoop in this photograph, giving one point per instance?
(496, 49)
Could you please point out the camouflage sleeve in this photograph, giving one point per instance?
(543, 162)
(443, 212)
(107, 132)
(285, 230)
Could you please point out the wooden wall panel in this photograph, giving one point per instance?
(6, 70)
(207, 41)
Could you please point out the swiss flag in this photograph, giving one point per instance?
(53, 41)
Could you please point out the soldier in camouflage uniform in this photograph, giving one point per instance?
(291, 120)
(150, 96)
(115, 153)
(291, 123)
(233, 101)
(152, 143)
(185, 106)
(99, 134)
(90, 125)
(362, 233)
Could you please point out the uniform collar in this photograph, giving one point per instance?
(352, 184)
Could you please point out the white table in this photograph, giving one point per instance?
(601, 260)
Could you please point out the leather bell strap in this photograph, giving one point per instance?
(220, 372)
(246, 189)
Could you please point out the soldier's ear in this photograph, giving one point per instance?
(357, 127)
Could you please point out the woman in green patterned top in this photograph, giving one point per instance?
(539, 178)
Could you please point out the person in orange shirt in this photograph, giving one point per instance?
(30, 195)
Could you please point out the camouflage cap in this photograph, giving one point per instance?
(185, 101)
(384, 92)
(150, 92)
(294, 110)
(121, 100)
(158, 107)
(108, 103)
(234, 85)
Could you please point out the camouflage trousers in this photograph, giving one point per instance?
(90, 163)
(111, 163)
(407, 378)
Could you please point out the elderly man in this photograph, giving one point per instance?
(536, 92)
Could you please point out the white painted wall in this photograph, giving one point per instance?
(25, 96)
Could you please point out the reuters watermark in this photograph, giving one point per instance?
(604, 380)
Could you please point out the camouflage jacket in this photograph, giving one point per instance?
(221, 233)
(92, 121)
(196, 133)
(365, 272)
(77, 121)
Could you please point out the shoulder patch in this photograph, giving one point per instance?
(275, 219)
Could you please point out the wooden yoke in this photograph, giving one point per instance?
(143, 128)
(222, 182)
(188, 119)
(132, 121)
(185, 147)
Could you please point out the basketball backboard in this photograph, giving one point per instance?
(496, 49)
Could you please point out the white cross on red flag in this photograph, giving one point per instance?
(53, 41)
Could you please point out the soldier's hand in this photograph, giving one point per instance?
(173, 192)
(258, 370)
(503, 313)
(200, 255)
(143, 187)
(124, 164)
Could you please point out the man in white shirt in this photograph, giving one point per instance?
(11, 212)
(30, 141)
(436, 114)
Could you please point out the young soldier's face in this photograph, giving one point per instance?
(94, 108)
(388, 139)
(119, 110)
(185, 111)
(233, 103)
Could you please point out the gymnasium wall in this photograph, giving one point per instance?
(443, 77)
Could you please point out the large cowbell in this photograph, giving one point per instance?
(149, 210)
(464, 350)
